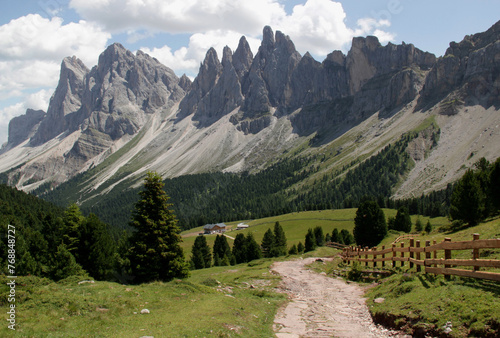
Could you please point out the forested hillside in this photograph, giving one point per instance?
(51, 241)
(281, 188)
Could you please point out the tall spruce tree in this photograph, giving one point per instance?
(467, 200)
(402, 222)
(222, 252)
(268, 243)
(240, 248)
(155, 252)
(320, 237)
(370, 226)
(201, 254)
(280, 245)
(253, 249)
(310, 241)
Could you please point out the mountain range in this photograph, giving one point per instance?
(244, 112)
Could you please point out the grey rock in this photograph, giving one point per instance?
(65, 101)
(25, 126)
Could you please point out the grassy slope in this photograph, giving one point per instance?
(203, 305)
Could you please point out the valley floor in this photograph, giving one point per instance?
(321, 306)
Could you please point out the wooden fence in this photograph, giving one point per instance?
(427, 257)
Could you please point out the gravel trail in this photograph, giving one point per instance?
(321, 306)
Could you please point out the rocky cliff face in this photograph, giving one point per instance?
(241, 105)
(470, 66)
(22, 128)
(97, 108)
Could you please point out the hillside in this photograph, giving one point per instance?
(106, 126)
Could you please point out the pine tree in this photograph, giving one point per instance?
(370, 226)
(418, 225)
(467, 200)
(96, 251)
(201, 254)
(347, 237)
(310, 241)
(64, 264)
(300, 248)
(72, 220)
(493, 189)
(268, 243)
(253, 249)
(402, 222)
(428, 227)
(293, 250)
(155, 252)
(320, 237)
(336, 236)
(240, 249)
(280, 246)
(222, 251)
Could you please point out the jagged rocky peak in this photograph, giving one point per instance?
(242, 58)
(67, 99)
(185, 82)
(468, 72)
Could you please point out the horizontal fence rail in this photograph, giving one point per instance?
(427, 256)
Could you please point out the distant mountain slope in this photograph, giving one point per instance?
(130, 114)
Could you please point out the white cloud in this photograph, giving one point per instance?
(181, 16)
(187, 59)
(31, 51)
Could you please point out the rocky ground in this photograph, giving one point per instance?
(321, 306)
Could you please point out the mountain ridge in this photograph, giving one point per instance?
(244, 112)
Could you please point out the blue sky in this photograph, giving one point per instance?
(35, 35)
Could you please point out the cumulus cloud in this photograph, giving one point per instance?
(181, 16)
(187, 59)
(317, 26)
(31, 50)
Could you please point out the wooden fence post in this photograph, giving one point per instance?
(366, 255)
(412, 245)
(427, 253)
(475, 252)
(418, 255)
(402, 254)
(393, 255)
(383, 255)
(374, 258)
(435, 254)
(447, 255)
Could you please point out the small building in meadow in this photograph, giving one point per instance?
(218, 228)
(242, 226)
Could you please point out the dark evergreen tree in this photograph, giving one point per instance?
(201, 254)
(402, 222)
(64, 264)
(428, 227)
(370, 226)
(319, 235)
(293, 250)
(310, 241)
(467, 200)
(268, 243)
(72, 220)
(222, 251)
(155, 252)
(253, 249)
(347, 237)
(493, 190)
(418, 225)
(240, 249)
(96, 250)
(328, 238)
(280, 246)
(336, 236)
(300, 248)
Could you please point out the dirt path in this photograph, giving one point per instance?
(321, 306)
